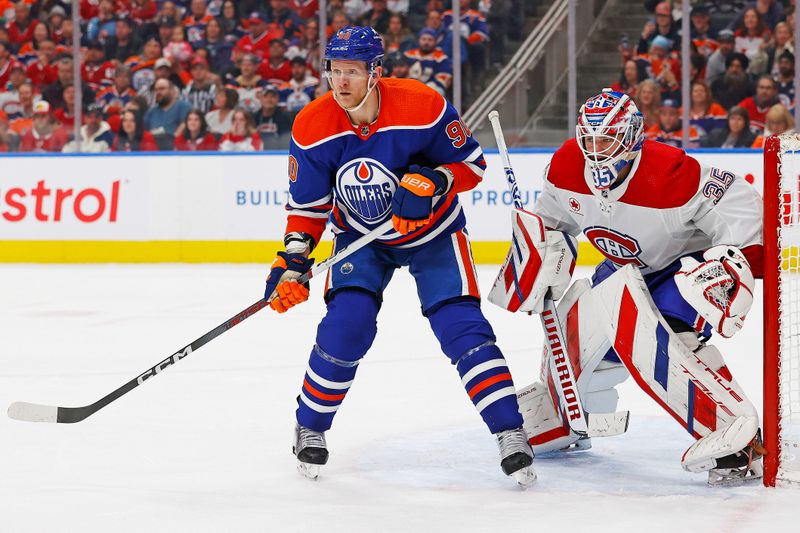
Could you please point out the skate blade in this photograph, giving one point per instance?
(308, 470)
(752, 478)
(525, 476)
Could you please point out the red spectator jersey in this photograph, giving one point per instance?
(205, 143)
(19, 35)
(66, 119)
(275, 75)
(259, 46)
(41, 75)
(5, 70)
(145, 12)
(758, 115)
(98, 76)
(33, 142)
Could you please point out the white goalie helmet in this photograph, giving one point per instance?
(610, 133)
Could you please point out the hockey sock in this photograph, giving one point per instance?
(468, 340)
(343, 337)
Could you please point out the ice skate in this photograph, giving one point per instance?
(311, 451)
(739, 468)
(516, 456)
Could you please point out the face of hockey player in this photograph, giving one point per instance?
(349, 79)
(604, 144)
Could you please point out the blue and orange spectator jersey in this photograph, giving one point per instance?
(714, 118)
(142, 74)
(434, 69)
(673, 138)
(112, 100)
(290, 23)
(473, 25)
(296, 95)
(5, 70)
(195, 29)
(348, 173)
(27, 54)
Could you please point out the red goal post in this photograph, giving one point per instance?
(782, 310)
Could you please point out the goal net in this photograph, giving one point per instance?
(782, 310)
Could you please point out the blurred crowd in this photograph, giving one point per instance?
(741, 72)
(212, 74)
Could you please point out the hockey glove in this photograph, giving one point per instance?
(412, 203)
(720, 288)
(283, 291)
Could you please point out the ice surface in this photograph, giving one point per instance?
(206, 446)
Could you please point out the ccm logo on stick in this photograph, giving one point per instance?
(52, 205)
(169, 361)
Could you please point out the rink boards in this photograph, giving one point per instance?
(212, 207)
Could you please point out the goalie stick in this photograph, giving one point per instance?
(561, 370)
(33, 412)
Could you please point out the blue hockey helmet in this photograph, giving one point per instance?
(355, 43)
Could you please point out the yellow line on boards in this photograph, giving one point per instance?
(493, 252)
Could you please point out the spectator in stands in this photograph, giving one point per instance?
(663, 67)
(736, 134)
(770, 11)
(45, 135)
(104, 25)
(248, 83)
(398, 38)
(95, 135)
(734, 86)
(429, 64)
(669, 130)
(96, 71)
(55, 19)
(785, 77)
(780, 44)
(27, 52)
(219, 120)
(661, 25)
(54, 92)
(632, 74)
(65, 115)
(259, 40)
(5, 61)
(229, 20)
(169, 12)
(143, 67)
(168, 113)
(276, 69)
(286, 19)
(648, 101)
(715, 67)
(757, 105)
(703, 31)
(132, 136)
(307, 46)
(218, 48)
(43, 71)
(21, 28)
(704, 113)
(7, 141)
(196, 21)
(124, 43)
(298, 91)
(752, 40)
(434, 21)
(473, 24)
(143, 11)
(113, 99)
(201, 91)
(377, 17)
(274, 125)
(400, 65)
(165, 26)
(193, 135)
(242, 136)
(178, 51)
(9, 92)
(338, 21)
(779, 121)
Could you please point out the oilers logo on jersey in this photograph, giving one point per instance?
(366, 188)
(620, 249)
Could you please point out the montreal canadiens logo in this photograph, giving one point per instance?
(619, 248)
(366, 187)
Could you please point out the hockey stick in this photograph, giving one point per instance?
(561, 369)
(33, 412)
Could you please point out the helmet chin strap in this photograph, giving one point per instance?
(363, 100)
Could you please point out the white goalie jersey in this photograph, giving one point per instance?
(669, 206)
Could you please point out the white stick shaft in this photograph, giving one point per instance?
(351, 248)
(494, 118)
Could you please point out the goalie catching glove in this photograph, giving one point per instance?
(283, 291)
(720, 288)
(538, 260)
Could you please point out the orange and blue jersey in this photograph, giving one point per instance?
(348, 174)
(434, 69)
(196, 28)
(112, 100)
(473, 25)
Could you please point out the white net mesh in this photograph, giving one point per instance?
(789, 308)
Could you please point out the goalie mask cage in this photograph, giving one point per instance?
(782, 310)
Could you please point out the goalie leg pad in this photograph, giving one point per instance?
(695, 394)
